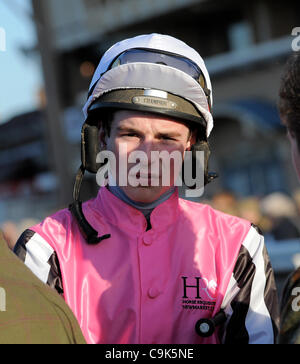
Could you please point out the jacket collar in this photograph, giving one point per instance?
(119, 213)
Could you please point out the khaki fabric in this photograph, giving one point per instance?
(30, 311)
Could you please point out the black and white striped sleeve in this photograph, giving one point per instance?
(40, 258)
(251, 301)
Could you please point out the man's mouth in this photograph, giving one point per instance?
(146, 176)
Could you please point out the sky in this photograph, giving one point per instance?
(20, 75)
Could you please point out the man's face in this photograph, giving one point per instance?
(133, 135)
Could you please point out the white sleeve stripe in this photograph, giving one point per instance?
(252, 241)
(38, 252)
(247, 290)
(258, 315)
(232, 290)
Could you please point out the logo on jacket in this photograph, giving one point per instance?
(198, 293)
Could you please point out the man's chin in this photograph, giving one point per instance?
(145, 194)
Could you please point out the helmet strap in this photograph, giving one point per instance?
(202, 146)
(88, 232)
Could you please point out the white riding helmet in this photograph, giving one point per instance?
(156, 73)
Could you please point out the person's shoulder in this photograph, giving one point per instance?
(32, 306)
(207, 209)
(292, 282)
(56, 231)
(289, 310)
(65, 218)
(61, 217)
(44, 237)
(55, 226)
(221, 225)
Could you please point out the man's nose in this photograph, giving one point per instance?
(148, 146)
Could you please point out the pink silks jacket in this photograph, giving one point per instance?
(151, 287)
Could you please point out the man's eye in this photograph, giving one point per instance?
(130, 135)
(165, 137)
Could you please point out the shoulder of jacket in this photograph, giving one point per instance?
(208, 209)
(62, 218)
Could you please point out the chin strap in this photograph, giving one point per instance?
(202, 146)
(88, 232)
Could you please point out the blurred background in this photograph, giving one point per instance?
(48, 52)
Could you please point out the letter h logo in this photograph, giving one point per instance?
(197, 287)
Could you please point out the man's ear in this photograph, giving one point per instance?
(192, 140)
(102, 137)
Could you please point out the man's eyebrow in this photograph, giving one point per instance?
(173, 134)
(127, 129)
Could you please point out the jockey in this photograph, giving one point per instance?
(139, 264)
